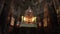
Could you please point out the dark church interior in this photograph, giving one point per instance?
(29, 16)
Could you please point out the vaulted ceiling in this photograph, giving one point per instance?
(19, 6)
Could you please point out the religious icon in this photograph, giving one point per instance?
(28, 19)
(28, 16)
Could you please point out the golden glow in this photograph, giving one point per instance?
(22, 18)
(12, 21)
(45, 22)
(27, 19)
(33, 19)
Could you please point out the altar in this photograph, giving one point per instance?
(28, 19)
(28, 25)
